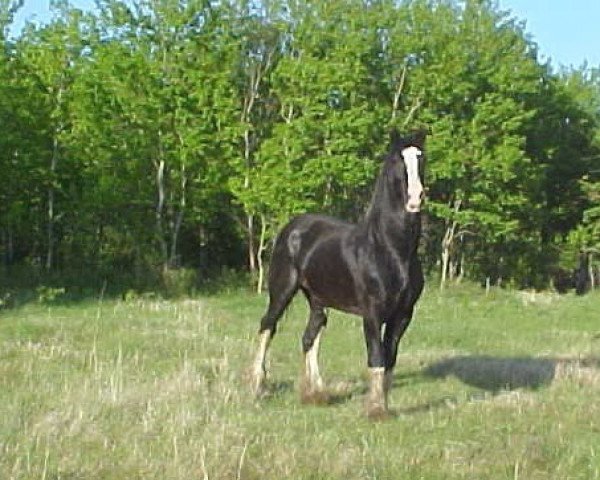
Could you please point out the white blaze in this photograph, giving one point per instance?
(410, 156)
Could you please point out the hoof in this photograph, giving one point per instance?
(378, 413)
(376, 401)
(256, 383)
(260, 391)
(313, 395)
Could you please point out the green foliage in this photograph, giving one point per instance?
(49, 294)
(180, 282)
(8, 8)
(585, 238)
(156, 135)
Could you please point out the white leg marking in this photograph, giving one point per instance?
(259, 369)
(377, 396)
(311, 365)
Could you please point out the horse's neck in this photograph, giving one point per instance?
(387, 222)
(394, 228)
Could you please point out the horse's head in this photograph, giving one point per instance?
(408, 153)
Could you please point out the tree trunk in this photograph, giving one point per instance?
(176, 228)
(160, 187)
(259, 254)
(51, 240)
(252, 264)
(249, 216)
(591, 271)
(7, 240)
(398, 92)
(461, 268)
(453, 268)
(51, 197)
(255, 79)
(447, 242)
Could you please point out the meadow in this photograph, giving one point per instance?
(503, 385)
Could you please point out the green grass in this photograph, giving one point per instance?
(502, 386)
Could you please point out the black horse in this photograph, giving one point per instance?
(369, 269)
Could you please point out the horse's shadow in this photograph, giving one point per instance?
(495, 374)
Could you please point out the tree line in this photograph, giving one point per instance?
(153, 139)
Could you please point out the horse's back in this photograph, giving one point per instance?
(303, 232)
(317, 223)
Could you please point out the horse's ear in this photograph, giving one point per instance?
(418, 137)
(396, 140)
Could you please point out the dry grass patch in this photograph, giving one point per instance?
(584, 372)
(152, 389)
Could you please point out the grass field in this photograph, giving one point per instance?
(503, 386)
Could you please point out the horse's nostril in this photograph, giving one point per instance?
(413, 207)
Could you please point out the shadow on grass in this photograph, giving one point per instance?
(447, 401)
(277, 389)
(495, 374)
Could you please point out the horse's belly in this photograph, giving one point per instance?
(329, 278)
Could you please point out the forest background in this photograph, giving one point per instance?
(160, 144)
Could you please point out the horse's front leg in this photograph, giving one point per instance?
(394, 331)
(376, 402)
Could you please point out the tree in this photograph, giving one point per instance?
(49, 57)
(156, 123)
(157, 134)
(583, 123)
(318, 109)
(474, 73)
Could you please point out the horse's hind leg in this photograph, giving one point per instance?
(312, 389)
(282, 287)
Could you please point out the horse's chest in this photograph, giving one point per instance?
(391, 283)
(387, 282)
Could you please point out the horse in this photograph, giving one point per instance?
(370, 268)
